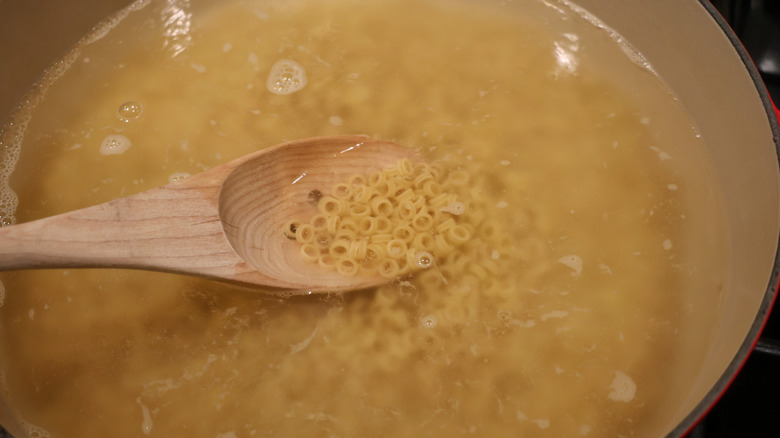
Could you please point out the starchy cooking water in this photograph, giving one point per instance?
(565, 318)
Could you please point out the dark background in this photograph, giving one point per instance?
(751, 405)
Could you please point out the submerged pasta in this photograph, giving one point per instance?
(393, 222)
(542, 281)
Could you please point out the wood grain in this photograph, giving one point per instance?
(225, 223)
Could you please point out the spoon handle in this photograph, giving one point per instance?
(171, 228)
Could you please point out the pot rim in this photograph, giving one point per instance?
(748, 344)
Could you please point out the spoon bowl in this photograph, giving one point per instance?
(226, 223)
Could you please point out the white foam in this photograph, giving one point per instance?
(12, 134)
(8, 203)
(661, 154)
(300, 346)
(115, 144)
(574, 262)
(147, 424)
(555, 314)
(138, 5)
(177, 176)
(200, 68)
(98, 34)
(102, 29)
(429, 321)
(8, 199)
(543, 423)
(34, 431)
(261, 14)
(286, 77)
(254, 60)
(630, 51)
(623, 388)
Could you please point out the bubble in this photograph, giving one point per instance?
(32, 430)
(114, 144)
(424, 259)
(323, 240)
(8, 203)
(286, 77)
(178, 176)
(130, 110)
(428, 321)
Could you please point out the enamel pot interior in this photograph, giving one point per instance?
(690, 48)
(33, 34)
(696, 55)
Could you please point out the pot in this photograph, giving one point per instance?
(700, 60)
(704, 70)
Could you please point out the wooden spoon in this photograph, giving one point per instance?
(224, 224)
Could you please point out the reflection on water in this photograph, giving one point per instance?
(566, 53)
(177, 22)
